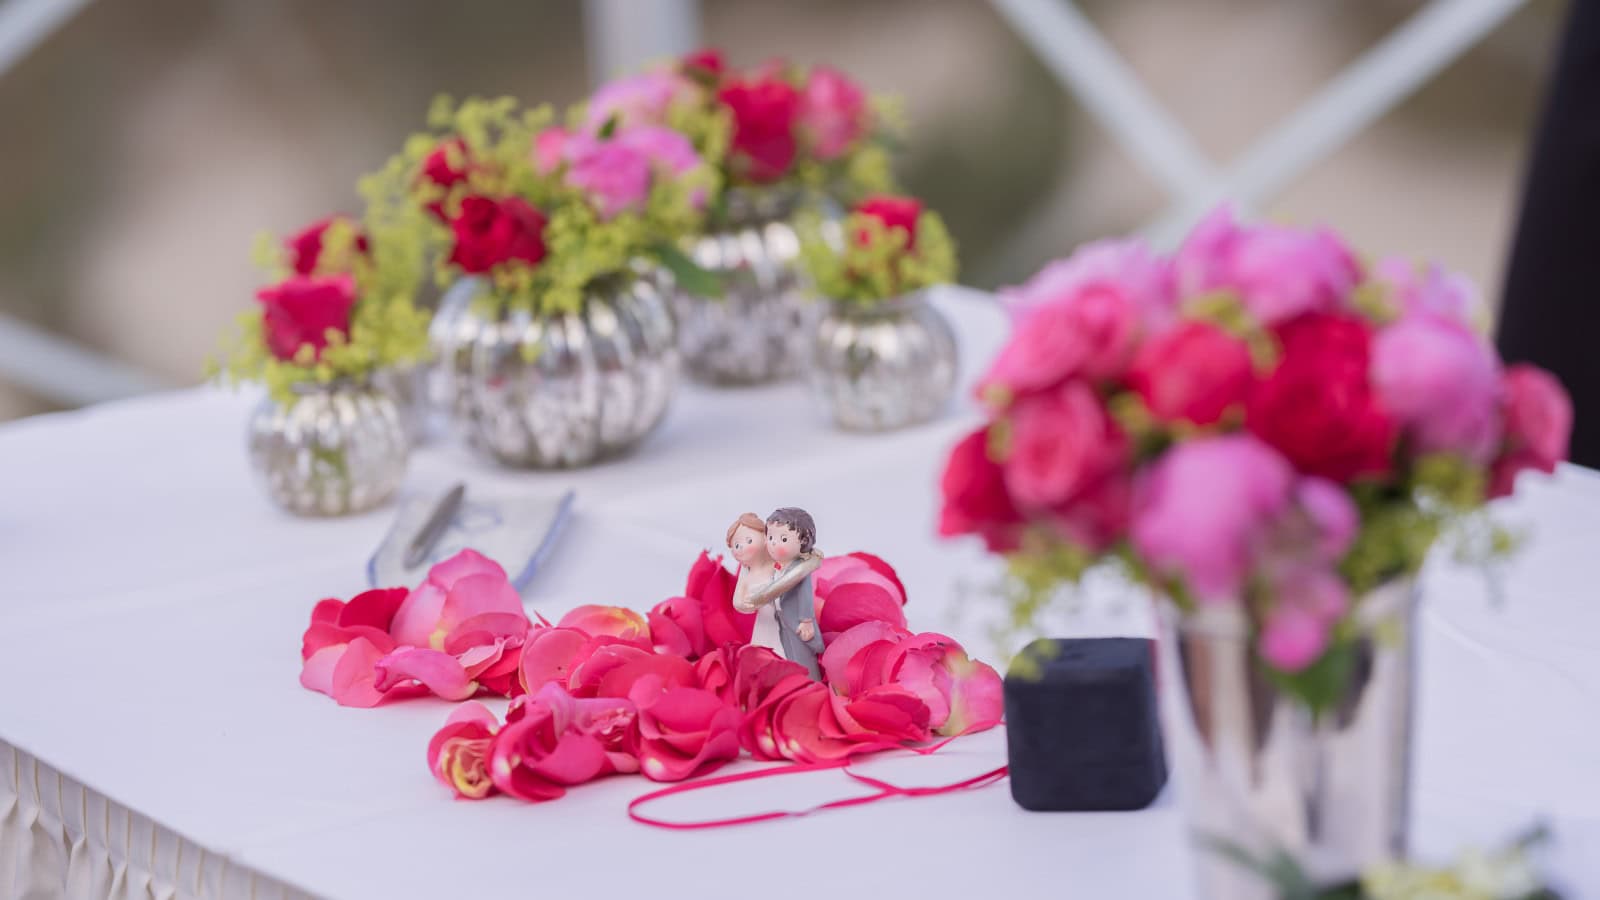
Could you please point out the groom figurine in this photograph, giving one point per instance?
(791, 542)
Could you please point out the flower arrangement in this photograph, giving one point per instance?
(341, 307)
(775, 125)
(1259, 419)
(667, 694)
(892, 246)
(538, 211)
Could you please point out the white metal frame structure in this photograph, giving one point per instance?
(622, 34)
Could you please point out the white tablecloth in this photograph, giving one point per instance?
(155, 742)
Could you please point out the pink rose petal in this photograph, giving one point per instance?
(436, 670)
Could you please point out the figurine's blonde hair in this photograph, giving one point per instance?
(748, 520)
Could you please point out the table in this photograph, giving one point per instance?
(155, 742)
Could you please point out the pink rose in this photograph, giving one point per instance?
(1279, 273)
(343, 641)
(550, 149)
(714, 673)
(1441, 383)
(548, 657)
(552, 741)
(1538, 426)
(668, 151)
(1308, 604)
(1201, 510)
(612, 621)
(636, 100)
(1434, 291)
(1082, 315)
(850, 590)
(615, 175)
(677, 627)
(1061, 442)
(711, 585)
(958, 693)
(682, 731)
(975, 497)
(458, 754)
(1193, 373)
(833, 112)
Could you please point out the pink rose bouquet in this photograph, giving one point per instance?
(1256, 419)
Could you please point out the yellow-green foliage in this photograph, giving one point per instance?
(880, 267)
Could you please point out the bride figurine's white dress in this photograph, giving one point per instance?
(766, 632)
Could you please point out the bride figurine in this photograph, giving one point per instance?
(747, 540)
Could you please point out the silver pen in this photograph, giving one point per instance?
(432, 529)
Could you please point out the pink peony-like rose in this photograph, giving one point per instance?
(458, 754)
(635, 100)
(833, 112)
(1441, 383)
(1538, 426)
(1201, 510)
(552, 741)
(304, 311)
(669, 151)
(1080, 316)
(1193, 373)
(975, 497)
(1279, 273)
(682, 731)
(1061, 442)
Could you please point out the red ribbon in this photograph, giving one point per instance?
(884, 789)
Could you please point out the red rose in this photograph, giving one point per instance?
(764, 114)
(705, 64)
(1193, 373)
(1318, 407)
(893, 212)
(446, 167)
(975, 497)
(302, 310)
(490, 232)
(305, 246)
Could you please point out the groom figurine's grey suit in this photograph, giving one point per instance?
(795, 596)
(795, 606)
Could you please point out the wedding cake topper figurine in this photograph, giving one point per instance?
(776, 561)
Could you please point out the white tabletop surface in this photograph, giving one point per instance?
(153, 603)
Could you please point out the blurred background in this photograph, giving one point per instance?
(147, 142)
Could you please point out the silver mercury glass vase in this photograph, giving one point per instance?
(408, 387)
(883, 365)
(759, 330)
(1258, 772)
(334, 449)
(537, 391)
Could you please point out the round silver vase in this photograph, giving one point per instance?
(334, 449)
(537, 391)
(885, 365)
(1257, 772)
(758, 330)
(408, 387)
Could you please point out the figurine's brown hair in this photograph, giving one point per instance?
(748, 520)
(800, 521)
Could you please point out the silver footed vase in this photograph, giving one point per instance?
(333, 449)
(759, 330)
(883, 365)
(555, 391)
(1258, 773)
